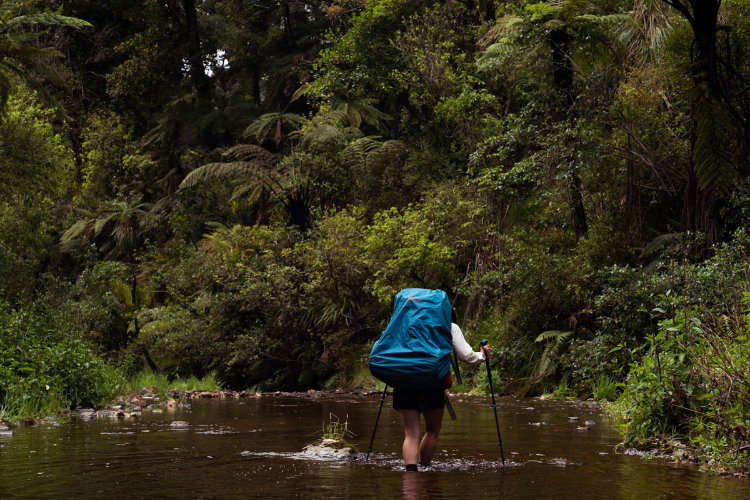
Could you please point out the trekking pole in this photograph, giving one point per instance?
(382, 400)
(494, 405)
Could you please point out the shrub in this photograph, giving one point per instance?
(692, 381)
(45, 367)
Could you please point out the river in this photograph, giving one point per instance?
(252, 448)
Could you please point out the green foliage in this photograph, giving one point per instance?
(44, 367)
(604, 388)
(562, 393)
(35, 172)
(692, 381)
(408, 249)
(112, 165)
(93, 307)
(366, 44)
(163, 384)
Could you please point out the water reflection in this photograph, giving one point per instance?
(424, 486)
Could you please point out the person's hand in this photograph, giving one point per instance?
(486, 350)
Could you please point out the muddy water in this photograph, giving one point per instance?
(251, 448)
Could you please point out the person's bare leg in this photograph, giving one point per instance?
(433, 420)
(412, 428)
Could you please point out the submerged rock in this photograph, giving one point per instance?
(179, 425)
(86, 414)
(329, 448)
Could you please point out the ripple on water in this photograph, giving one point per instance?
(391, 461)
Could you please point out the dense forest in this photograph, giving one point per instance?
(241, 187)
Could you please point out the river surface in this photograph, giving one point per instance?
(252, 448)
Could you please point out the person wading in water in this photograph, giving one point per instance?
(430, 403)
(414, 356)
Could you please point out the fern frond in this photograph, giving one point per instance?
(121, 291)
(713, 164)
(361, 111)
(273, 124)
(658, 244)
(251, 187)
(356, 151)
(250, 152)
(221, 170)
(553, 334)
(503, 26)
(73, 233)
(48, 19)
(320, 135)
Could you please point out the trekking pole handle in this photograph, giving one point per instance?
(481, 348)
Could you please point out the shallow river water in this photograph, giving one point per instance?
(252, 448)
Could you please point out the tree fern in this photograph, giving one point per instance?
(546, 363)
(249, 160)
(273, 126)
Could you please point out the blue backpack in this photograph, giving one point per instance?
(415, 349)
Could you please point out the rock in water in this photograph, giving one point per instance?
(329, 448)
(179, 425)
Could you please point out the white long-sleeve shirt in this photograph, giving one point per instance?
(463, 349)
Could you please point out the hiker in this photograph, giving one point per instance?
(430, 403)
(414, 356)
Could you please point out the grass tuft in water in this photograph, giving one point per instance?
(335, 429)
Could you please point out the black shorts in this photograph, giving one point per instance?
(420, 400)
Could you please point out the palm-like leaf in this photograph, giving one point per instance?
(713, 165)
(361, 111)
(118, 222)
(273, 126)
(249, 161)
(644, 31)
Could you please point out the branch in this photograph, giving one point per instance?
(680, 7)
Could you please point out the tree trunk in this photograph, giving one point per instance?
(289, 29)
(699, 209)
(562, 72)
(578, 214)
(195, 55)
(562, 80)
(136, 327)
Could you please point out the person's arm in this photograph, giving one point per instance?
(463, 349)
